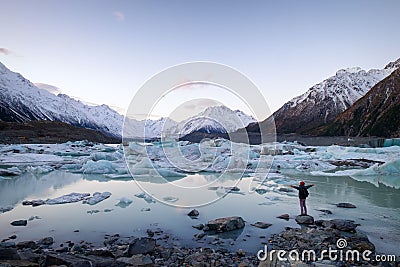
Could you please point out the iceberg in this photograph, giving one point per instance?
(124, 202)
(106, 156)
(39, 169)
(98, 167)
(69, 198)
(96, 198)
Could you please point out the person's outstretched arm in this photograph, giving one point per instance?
(295, 187)
(311, 185)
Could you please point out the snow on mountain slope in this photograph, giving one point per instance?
(326, 100)
(22, 101)
(218, 119)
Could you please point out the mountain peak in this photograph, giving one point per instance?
(393, 65)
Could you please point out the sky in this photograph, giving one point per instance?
(104, 51)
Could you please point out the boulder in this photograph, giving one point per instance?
(344, 225)
(261, 225)
(226, 224)
(194, 213)
(305, 219)
(9, 254)
(142, 261)
(26, 244)
(19, 223)
(345, 205)
(199, 226)
(141, 246)
(284, 216)
(46, 241)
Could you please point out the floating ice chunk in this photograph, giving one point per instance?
(145, 196)
(124, 202)
(39, 169)
(388, 168)
(97, 167)
(5, 209)
(170, 199)
(144, 163)
(104, 156)
(92, 211)
(96, 198)
(13, 171)
(34, 218)
(69, 198)
(170, 173)
(29, 158)
(71, 166)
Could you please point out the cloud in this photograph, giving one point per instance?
(119, 15)
(5, 51)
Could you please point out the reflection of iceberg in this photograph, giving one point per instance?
(17, 189)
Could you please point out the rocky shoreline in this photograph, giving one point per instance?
(121, 251)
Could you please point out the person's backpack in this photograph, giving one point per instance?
(304, 192)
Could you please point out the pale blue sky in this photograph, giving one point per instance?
(103, 51)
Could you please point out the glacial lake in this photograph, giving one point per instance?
(377, 212)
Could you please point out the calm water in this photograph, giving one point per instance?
(378, 210)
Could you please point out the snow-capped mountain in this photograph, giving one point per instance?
(375, 114)
(217, 119)
(326, 100)
(21, 100)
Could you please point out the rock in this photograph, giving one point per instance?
(26, 244)
(150, 233)
(29, 255)
(101, 252)
(344, 225)
(141, 246)
(325, 211)
(19, 223)
(19, 263)
(12, 237)
(194, 213)
(125, 260)
(7, 245)
(345, 205)
(77, 248)
(46, 241)
(304, 219)
(284, 216)
(199, 226)
(9, 254)
(111, 240)
(226, 224)
(65, 259)
(261, 225)
(240, 253)
(62, 249)
(199, 236)
(33, 203)
(142, 261)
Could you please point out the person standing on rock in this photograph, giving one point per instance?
(303, 194)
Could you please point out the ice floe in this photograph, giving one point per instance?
(68, 198)
(96, 198)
